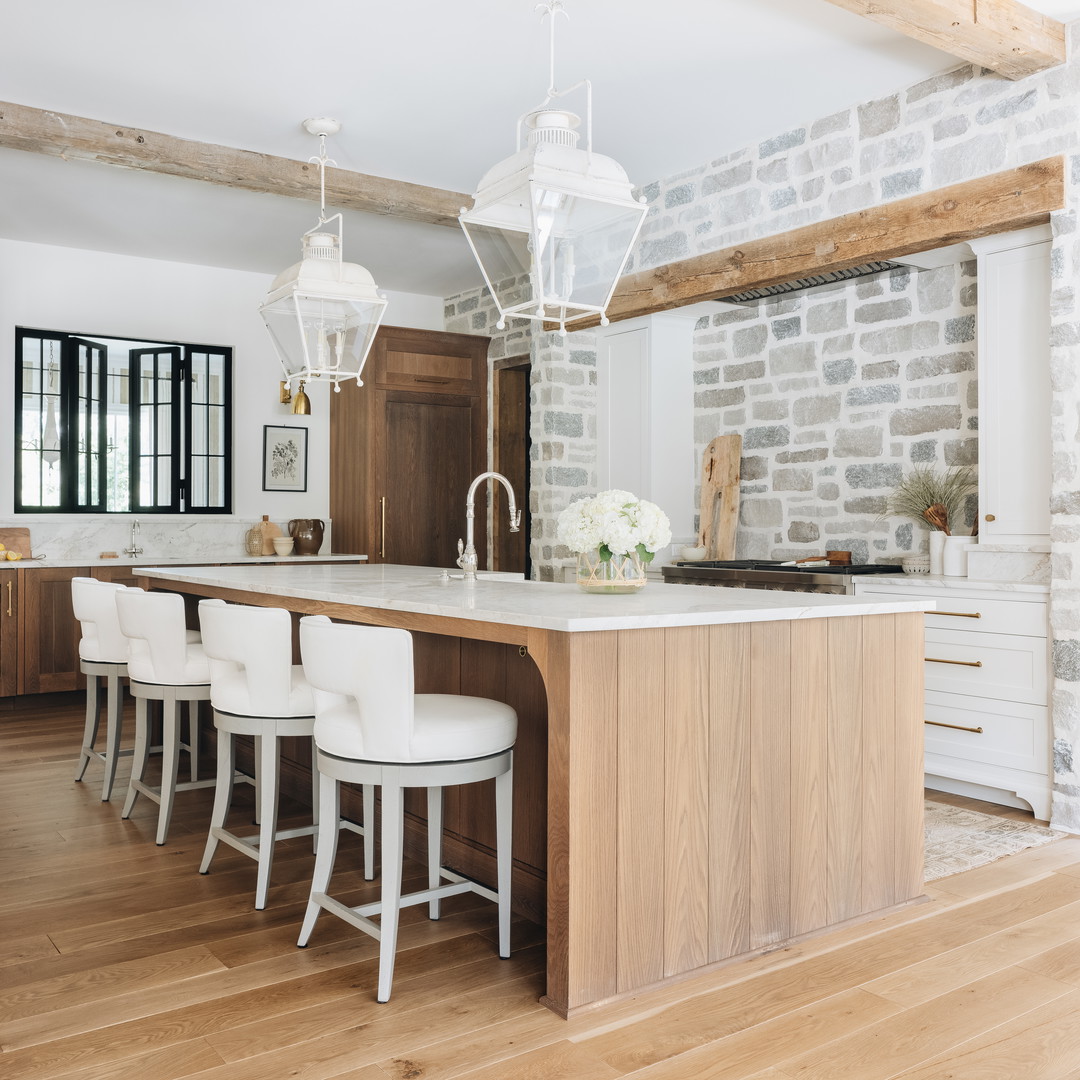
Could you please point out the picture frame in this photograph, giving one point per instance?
(284, 458)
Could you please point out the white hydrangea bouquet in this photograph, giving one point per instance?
(615, 536)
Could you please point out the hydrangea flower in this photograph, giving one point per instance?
(616, 523)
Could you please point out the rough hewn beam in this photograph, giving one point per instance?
(1004, 201)
(1003, 35)
(75, 138)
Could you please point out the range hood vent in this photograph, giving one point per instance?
(751, 296)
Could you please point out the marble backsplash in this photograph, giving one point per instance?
(169, 537)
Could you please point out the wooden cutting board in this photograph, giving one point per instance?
(16, 540)
(720, 496)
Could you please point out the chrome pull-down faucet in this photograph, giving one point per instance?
(467, 548)
(134, 551)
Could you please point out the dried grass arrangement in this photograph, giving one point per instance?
(936, 497)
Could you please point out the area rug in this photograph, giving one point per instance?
(958, 840)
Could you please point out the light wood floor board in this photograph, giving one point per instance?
(118, 960)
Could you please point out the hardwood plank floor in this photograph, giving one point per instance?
(118, 960)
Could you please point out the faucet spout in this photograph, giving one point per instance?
(467, 558)
(134, 551)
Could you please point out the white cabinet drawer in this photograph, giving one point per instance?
(1001, 733)
(1002, 666)
(955, 611)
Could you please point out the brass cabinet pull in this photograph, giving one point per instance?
(957, 614)
(991, 517)
(382, 528)
(955, 727)
(960, 663)
(11, 613)
(430, 379)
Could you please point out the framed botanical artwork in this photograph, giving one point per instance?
(284, 458)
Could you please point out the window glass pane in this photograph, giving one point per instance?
(146, 430)
(199, 378)
(164, 425)
(216, 497)
(217, 431)
(198, 437)
(118, 462)
(198, 482)
(217, 380)
(164, 485)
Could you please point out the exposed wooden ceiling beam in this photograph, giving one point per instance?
(1006, 36)
(76, 138)
(1002, 202)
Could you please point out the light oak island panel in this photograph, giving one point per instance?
(713, 790)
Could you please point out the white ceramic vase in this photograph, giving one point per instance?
(937, 552)
(954, 556)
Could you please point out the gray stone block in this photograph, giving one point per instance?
(907, 182)
(924, 419)
(929, 367)
(841, 343)
(889, 154)
(750, 340)
(858, 442)
(883, 369)
(936, 289)
(561, 476)
(950, 127)
(902, 537)
(770, 409)
(991, 114)
(838, 372)
(960, 330)
(665, 250)
(781, 198)
(776, 172)
(792, 358)
(883, 312)
(878, 117)
(755, 369)
(1066, 660)
(737, 208)
(828, 492)
(726, 179)
(878, 394)
(803, 532)
(881, 475)
(972, 157)
(787, 328)
(706, 376)
(822, 318)
(867, 505)
(679, 196)
(793, 480)
(786, 141)
(754, 468)
(845, 200)
(902, 338)
(939, 83)
(719, 399)
(816, 410)
(757, 438)
(563, 423)
(828, 125)
(791, 457)
(812, 189)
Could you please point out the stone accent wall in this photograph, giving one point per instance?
(956, 126)
(837, 392)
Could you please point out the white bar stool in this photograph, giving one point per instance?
(103, 654)
(370, 728)
(164, 665)
(255, 689)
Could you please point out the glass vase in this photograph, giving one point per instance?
(619, 574)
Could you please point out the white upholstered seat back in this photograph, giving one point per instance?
(158, 647)
(94, 604)
(361, 678)
(249, 650)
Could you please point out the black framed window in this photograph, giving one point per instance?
(112, 425)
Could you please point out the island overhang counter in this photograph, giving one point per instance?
(701, 774)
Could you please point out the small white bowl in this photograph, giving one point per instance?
(283, 545)
(692, 554)
(916, 564)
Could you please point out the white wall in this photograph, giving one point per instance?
(92, 292)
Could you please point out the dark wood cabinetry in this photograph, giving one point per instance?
(405, 447)
(9, 632)
(48, 631)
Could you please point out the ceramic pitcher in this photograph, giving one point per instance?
(308, 534)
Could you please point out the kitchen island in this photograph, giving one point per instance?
(701, 774)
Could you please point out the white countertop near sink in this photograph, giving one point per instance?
(543, 605)
(147, 561)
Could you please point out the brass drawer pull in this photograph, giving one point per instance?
(11, 613)
(382, 528)
(430, 379)
(955, 727)
(959, 663)
(957, 614)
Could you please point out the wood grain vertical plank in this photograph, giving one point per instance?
(729, 791)
(878, 770)
(686, 764)
(583, 829)
(845, 673)
(809, 774)
(642, 861)
(770, 783)
(908, 758)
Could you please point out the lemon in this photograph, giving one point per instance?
(12, 556)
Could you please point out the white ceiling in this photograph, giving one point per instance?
(427, 91)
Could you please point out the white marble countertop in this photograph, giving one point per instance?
(542, 605)
(147, 561)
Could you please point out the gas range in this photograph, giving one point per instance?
(766, 574)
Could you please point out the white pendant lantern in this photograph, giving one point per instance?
(553, 226)
(322, 313)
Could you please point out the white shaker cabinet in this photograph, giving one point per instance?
(1014, 387)
(987, 726)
